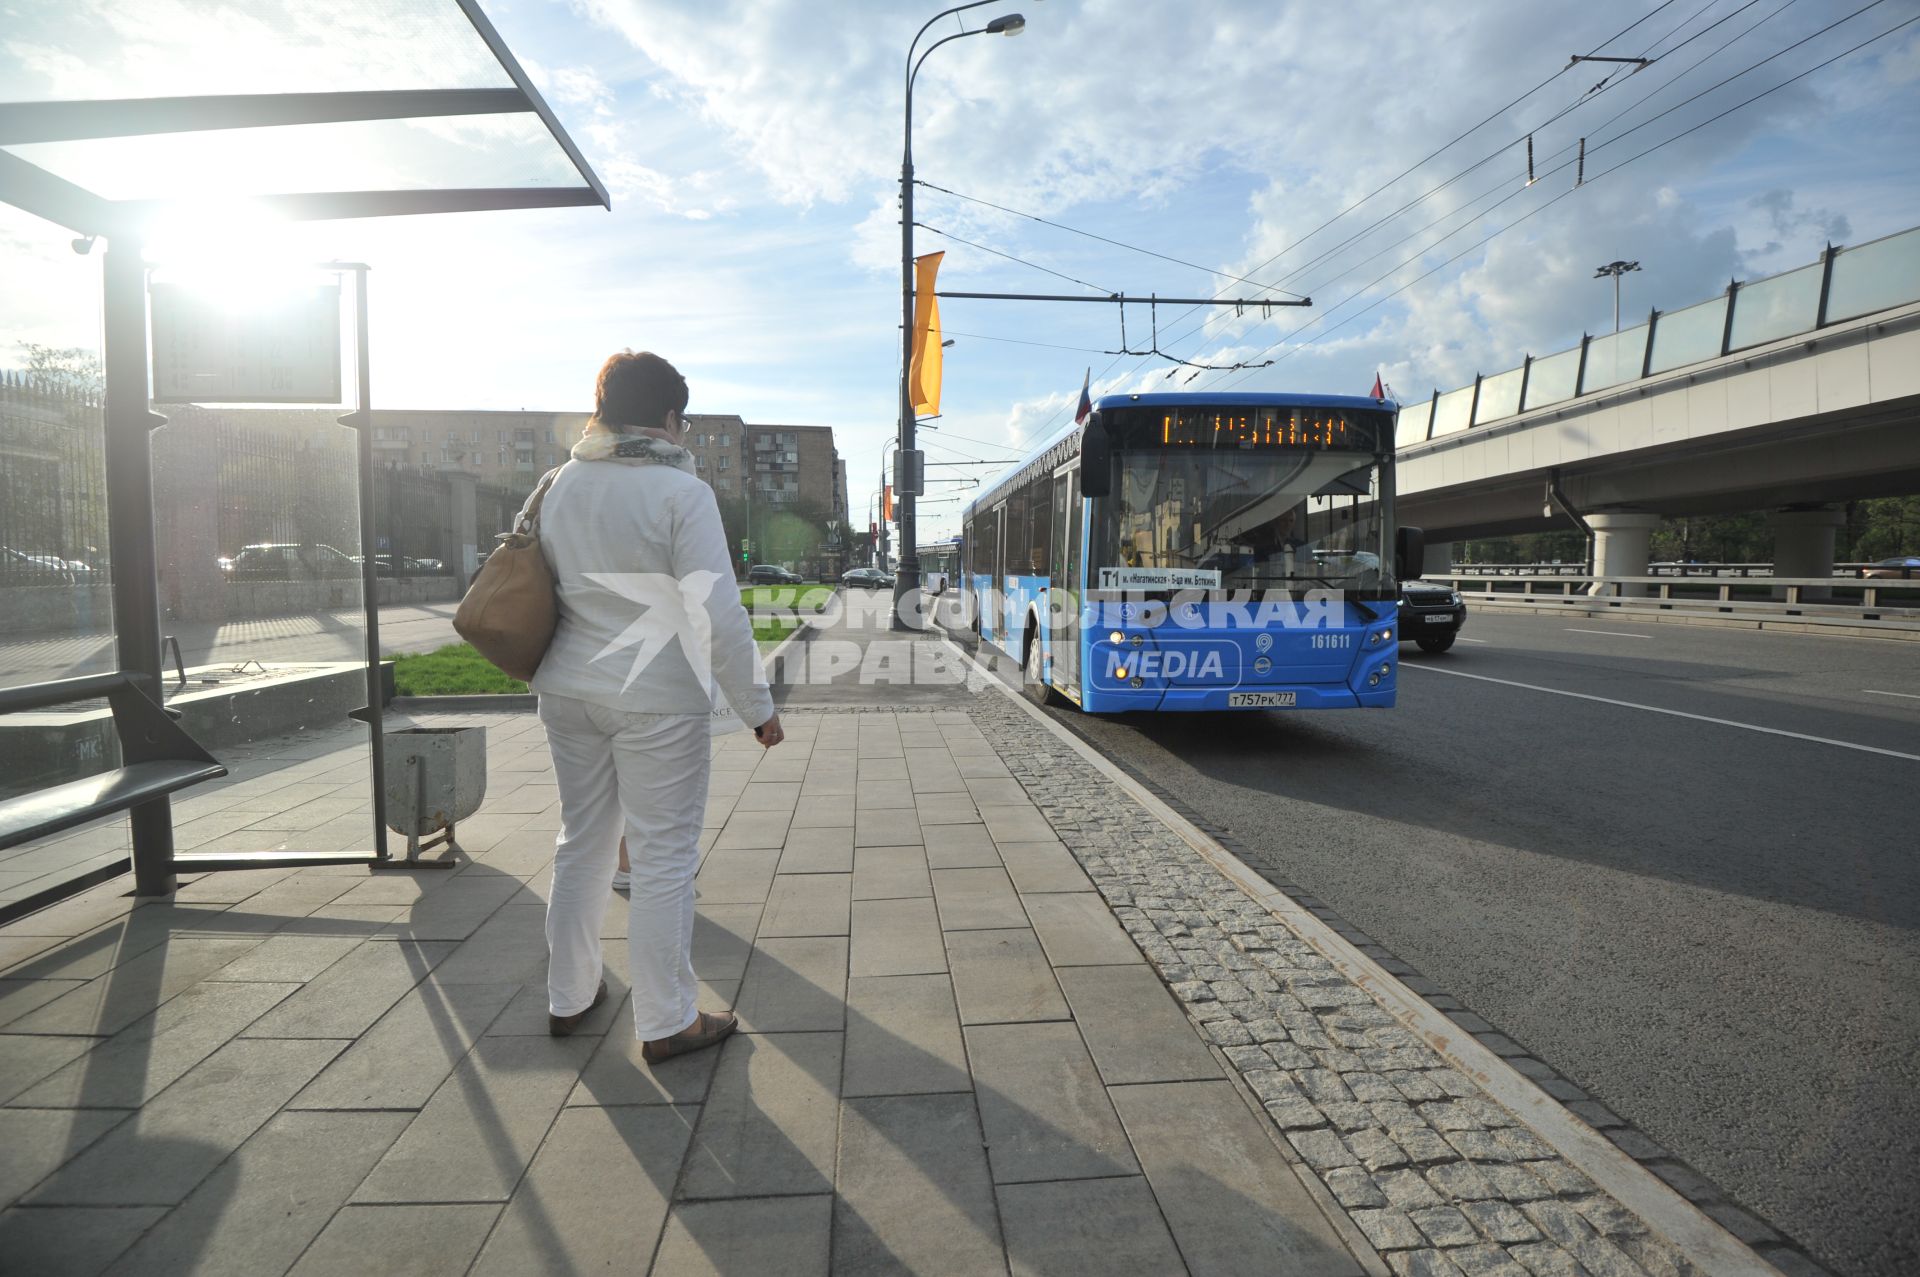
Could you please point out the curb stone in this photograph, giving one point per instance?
(1361, 1098)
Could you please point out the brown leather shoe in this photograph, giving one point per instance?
(560, 1026)
(708, 1029)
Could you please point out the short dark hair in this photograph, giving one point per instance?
(637, 389)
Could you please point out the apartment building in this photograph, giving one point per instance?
(503, 449)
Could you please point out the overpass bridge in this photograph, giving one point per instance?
(1792, 392)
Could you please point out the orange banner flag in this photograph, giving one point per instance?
(923, 376)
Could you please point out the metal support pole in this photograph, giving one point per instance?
(129, 472)
(906, 582)
(1826, 284)
(361, 419)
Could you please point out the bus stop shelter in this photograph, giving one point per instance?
(298, 113)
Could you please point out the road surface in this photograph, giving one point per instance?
(1677, 863)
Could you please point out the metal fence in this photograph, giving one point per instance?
(229, 494)
(53, 487)
(494, 510)
(412, 523)
(1845, 283)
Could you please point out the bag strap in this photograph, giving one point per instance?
(530, 520)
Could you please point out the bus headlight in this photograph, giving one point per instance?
(1139, 683)
(1116, 638)
(1380, 636)
(1122, 673)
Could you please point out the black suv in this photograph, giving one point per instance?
(1430, 615)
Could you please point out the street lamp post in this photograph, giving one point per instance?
(1616, 269)
(907, 581)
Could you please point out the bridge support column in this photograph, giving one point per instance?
(1620, 543)
(1803, 546)
(1439, 559)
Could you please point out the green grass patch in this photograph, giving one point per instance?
(794, 601)
(454, 670)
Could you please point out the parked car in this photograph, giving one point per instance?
(1430, 615)
(1901, 565)
(45, 569)
(768, 574)
(867, 579)
(286, 561)
(384, 565)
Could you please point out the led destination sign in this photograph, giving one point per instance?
(1262, 430)
(1247, 429)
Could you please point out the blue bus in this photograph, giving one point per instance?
(1196, 552)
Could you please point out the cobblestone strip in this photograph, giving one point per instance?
(1441, 1179)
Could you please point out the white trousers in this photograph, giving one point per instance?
(645, 776)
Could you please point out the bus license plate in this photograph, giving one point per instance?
(1259, 700)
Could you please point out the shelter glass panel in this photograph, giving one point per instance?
(1499, 396)
(1553, 378)
(56, 616)
(1876, 276)
(421, 154)
(1615, 358)
(1689, 336)
(266, 46)
(1769, 309)
(1451, 411)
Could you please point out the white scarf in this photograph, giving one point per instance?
(633, 450)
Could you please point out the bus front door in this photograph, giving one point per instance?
(1065, 565)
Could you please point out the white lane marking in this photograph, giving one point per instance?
(1464, 639)
(1675, 713)
(1608, 633)
(1875, 692)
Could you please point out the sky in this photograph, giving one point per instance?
(1371, 155)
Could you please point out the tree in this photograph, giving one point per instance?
(70, 369)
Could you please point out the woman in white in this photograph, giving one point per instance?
(650, 622)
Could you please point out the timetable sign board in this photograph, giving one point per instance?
(279, 349)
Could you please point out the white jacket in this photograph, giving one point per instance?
(640, 562)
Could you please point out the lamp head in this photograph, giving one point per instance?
(1009, 24)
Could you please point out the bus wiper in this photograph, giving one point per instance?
(1330, 583)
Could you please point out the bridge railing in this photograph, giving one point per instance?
(1841, 571)
(1845, 283)
(1816, 599)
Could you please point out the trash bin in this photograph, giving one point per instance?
(435, 778)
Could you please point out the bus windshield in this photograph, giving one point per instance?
(1229, 519)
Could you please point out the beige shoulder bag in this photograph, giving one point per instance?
(510, 611)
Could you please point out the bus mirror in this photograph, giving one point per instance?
(1409, 554)
(1096, 460)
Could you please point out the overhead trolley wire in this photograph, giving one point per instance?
(1074, 230)
(1588, 96)
(1010, 257)
(1104, 372)
(1468, 207)
(1595, 178)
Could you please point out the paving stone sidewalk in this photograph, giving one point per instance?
(998, 1017)
(954, 1058)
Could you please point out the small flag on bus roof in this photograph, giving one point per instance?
(1086, 404)
(1379, 391)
